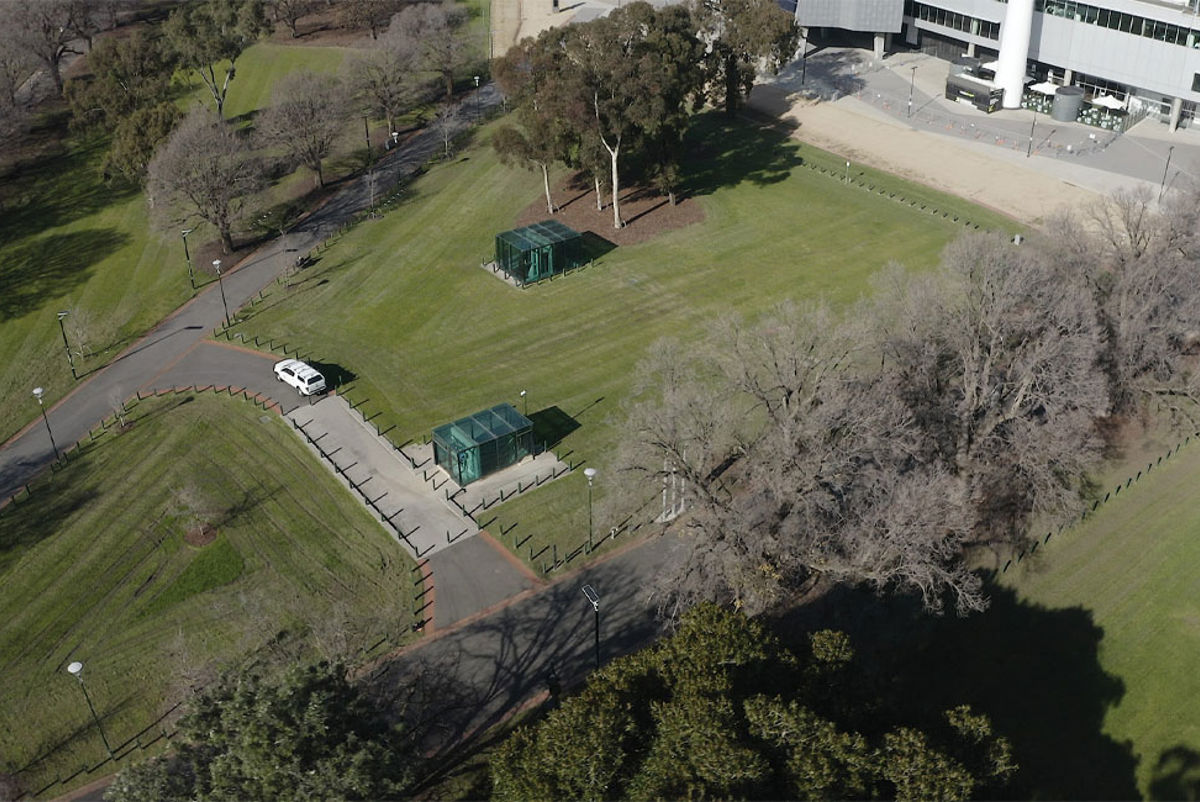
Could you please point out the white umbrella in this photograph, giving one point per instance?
(1045, 88)
(1108, 102)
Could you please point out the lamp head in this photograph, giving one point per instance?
(186, 231)
(590, 473)
(63, 314)
(38, 392)
(522, 393)
(217, 265)
(75, 668)
(476, 80)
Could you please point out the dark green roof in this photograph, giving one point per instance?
(482, 427)
(547, 232)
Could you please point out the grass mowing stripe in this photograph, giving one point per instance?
(1131, 564)
(432, 337)
(110, 581)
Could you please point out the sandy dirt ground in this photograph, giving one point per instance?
(996, 180)
(513, 20)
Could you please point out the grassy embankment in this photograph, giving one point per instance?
(95, 567)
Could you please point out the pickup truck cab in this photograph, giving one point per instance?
(303, 377)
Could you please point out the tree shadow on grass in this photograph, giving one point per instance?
(1034, 671)
(25, 524)
(58, 190)
(724, 152)
(51, 266)
(1176, 774)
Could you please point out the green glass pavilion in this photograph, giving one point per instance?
(535, 252)
(482, 443)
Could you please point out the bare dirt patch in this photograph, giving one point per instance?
(200, 535)
(646, 213)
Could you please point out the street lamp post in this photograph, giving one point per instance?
(525, 405)
(1032, 130)
(188, 256)
(590, 473)
(476, 97)
(76, 670)
(38, 392)
(221, 284)
(1162, 187)
(594, 598)
(63, 328)
(847, 172)
(367, 136)
(911, 84)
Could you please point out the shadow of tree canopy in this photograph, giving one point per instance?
(1176, 774)
(724, 152)
(25, 524)
(1034, 671)
(57, 190)
(51, 266)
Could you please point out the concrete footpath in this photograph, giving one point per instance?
(470, 573)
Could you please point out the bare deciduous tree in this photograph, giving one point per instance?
(794, 466)
(290, 12)
(205, 171)
(16, 67)
(437, 34)
(444, 125)
(370, 14)
(387, 81)
(47, 30)
(995, 357)
(306, 118)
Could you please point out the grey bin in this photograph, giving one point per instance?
(1068, 100)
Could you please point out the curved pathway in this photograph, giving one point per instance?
(471, 575)
(29, 451)
(497, 629)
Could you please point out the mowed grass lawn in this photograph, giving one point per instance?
(95, 568)
(402, 304)
(68, 241)
(1134, 566)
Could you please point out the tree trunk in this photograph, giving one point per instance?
(671, 196)
(320, 175)
(56, 74)
(546, 183)
(226, 241)
(449, 76)
(599, 197)
(732, 85)
(615, 153)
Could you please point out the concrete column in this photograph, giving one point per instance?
(971, 49)
(1176, 111)
(1014, 50)
(879, 41)
(1068, 77)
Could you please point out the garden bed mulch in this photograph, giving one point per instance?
(646, 213)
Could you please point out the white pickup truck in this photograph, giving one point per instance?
(303, 377)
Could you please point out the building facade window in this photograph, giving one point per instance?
(1184, 36)
(951, 19)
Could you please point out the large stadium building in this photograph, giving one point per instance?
(1144, 52)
